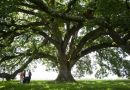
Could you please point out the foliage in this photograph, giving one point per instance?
(112, 61)
(83, 66)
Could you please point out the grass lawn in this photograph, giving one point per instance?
(79, 85)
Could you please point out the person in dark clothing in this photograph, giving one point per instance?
(24, 79)
(27, 77)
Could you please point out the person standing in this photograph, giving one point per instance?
(22, 77)
(29, 78)
(28, 75)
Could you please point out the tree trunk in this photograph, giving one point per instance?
(65, 74)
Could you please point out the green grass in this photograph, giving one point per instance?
(79, 85)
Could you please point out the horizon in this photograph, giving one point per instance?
(40, 73)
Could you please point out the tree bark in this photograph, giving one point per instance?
(65, 74)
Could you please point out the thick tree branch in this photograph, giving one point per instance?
(47, 37)
(7, 58)
(120, 41)
(8, 37)
(69, 33)
(26, 11)
(21, 68)
(72, 44)
(95, 48)
(54, 13)
(32, 56)
(5, 75)
(91, 49)
(36, 56)
(12, 76)
(45, 55)
(90, 36)
(116, 37)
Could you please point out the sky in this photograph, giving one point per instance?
(41, 74)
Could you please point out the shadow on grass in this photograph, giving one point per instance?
(80, 85)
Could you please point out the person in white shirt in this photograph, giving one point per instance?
(28, 75)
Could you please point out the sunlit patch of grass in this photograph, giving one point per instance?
(79, 85)
(2, 87)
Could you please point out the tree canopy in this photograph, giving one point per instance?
(63, 34)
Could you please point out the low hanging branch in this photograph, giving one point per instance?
(92, 49)
(32, 56)
(21, 68)
(13, 75)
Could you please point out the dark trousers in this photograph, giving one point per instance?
(26, 80)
